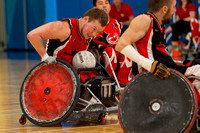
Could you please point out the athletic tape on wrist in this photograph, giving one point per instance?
(45, 56)
(132, 54)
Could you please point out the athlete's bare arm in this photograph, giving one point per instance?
(55, 30)
(136, 31)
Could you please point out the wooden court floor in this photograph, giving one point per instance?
(12, 73)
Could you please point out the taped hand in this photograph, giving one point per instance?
(48, 59)
(160, 70)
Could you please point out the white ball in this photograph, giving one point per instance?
(83, 59)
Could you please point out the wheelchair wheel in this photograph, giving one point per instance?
(49, 93)
(151, 105)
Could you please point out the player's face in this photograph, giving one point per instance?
(168, 16)
(104, 5)
(91, 29)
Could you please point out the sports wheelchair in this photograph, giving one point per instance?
(51, 94)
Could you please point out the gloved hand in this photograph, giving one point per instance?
(160, 70)
(48, 59)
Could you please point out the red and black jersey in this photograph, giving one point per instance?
(110, 35)
(153, 45)
(74, 43)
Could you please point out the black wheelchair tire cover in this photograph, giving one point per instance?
(151, 105)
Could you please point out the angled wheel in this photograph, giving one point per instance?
(49, 93)
(151, 105)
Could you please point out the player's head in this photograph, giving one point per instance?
(166, 7)
(93, 22)
(102, 4)
(97, 14)
(83, 59)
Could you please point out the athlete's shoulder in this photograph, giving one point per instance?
(143, 19)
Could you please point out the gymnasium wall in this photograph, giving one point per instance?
(21, 16)
(79, 7)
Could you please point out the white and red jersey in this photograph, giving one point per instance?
(110, 35)
(67, 49)
(195, 29)
(121, 65)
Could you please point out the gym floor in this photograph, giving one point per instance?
(12, 74)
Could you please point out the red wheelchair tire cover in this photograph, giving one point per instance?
(48, 92)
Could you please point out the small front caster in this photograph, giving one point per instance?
(22, 120)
